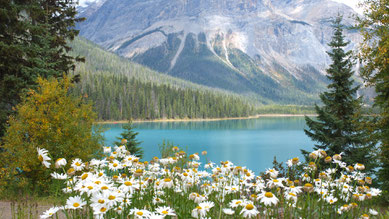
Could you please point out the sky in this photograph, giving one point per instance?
(351, 3)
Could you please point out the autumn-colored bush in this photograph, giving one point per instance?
(52, 118)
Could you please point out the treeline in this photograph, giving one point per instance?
(120, 97)
(285, 109)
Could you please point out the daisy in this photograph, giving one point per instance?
(373, 212)
(331, 200)
(59, 175)
(272, 173)
(107, 150)
(249, 210)
(60, 162)
(157, 200)
(199, 212)
(165, 211)
(167, 183)
(140, 213)
(50, 212)
(43, 154)
(115, 165)
(294, 189)
(236, 203)
(291, 196)
(77, 164)
(100, 209)
(359, 166)
(228, 211)
(268, 199)
(155, 216)
(75, 202)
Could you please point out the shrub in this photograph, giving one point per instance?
(51, 118)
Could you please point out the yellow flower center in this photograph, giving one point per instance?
(97, 182)
(115, 165)
(90, 187)
(139, 213)
(198, 208)
(250, 207)
(104, 188)
(101, 201)
(167, 180)
(292, 194)
(238, 202)
(127, 183)
(308, 185)
(164, 212)
(77, 164)
(76, 204)
(275, 180)
(50, 214)
(40, 158)
(103, 209)
(84, 176)
(111, 197)
(269, 195)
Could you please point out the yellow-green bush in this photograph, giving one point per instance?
(47, 117)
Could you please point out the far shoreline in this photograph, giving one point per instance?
(205, 119)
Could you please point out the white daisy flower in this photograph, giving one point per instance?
(249, 210)
(75, 202)
(60, 162)
(268, 198)
(165, 211)
(59, 175)
(228, 211)
(49, 213)
(77, 164)
(138, 213)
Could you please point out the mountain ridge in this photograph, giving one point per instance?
(273, 49)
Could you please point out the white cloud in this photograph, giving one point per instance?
(84, 3)
(352, 3)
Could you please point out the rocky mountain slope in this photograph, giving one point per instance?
(271, 49)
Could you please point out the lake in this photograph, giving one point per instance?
(252, 142)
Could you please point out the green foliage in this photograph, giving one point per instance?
(128, 139)
(33, 37)
(285, 109)
(337, 128)
(374, 55)
(120, 97)
(47, 117)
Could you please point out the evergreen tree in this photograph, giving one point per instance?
(128, 138)
(374, 55)
(337, 127)
(33, 42)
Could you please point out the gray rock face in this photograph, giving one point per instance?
(280, 42)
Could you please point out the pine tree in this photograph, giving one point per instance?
(337, 127)
(128, 138)
(33, 42)
(374, 55)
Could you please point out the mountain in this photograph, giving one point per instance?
(272, 50)
(121, 89)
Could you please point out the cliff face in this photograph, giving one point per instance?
(275, 49)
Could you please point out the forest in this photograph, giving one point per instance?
(120, 97)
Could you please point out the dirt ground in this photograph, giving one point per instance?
(29, 211)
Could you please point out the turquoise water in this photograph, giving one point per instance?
(252, 143)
